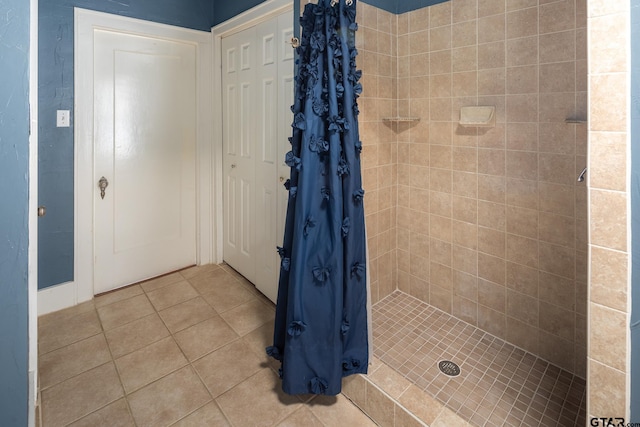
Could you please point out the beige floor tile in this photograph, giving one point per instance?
(259, 295)
(119, 295)
(379, 406)
(66, 362)
(64, 315)
(403, 418)
(123, 312)
(339, 411)
(248, 286)
(226, 267)
(248, 316)
(212, 279)
(80, 396)
(374, 364)
(390, 381)
(420, 404)
(162, 281)
(136, 335)
(301, 417)
(65, 327)
(355, 388)
(260, 338)
(227, 366)
(208, 415)
(191, 272)
(172, 294)
(143, 366)
(205, 337)
(186, 314)
(114, 415)
(228, 297)
(259, 401)
(168, 399)
(449, 419)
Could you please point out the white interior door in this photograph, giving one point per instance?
(275, 77)
(239, 145)
(267, 36)
(145, 140)
(285, 117)
(257, 68)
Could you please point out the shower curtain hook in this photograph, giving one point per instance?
(334, 2)
(349, 2)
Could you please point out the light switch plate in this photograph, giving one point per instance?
(62, 120)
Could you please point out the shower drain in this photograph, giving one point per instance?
(449, 368)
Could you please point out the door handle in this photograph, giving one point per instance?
(102, 185)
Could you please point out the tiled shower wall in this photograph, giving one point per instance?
(609, 367)
(377, 41)
(488, 224)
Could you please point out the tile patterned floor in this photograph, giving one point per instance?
(186, 349)
(499, 384)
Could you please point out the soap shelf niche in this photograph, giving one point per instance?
(401, 119)
(478, 116)
(574, 121)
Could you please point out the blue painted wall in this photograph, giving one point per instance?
(403, 6)
(55, 239)
(635, 211)
(14, 199)
(225, 9)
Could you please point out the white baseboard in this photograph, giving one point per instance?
(57, 298)
(33, 403)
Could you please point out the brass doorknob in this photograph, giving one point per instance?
(102, 185)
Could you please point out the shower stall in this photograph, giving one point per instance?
(478, 234)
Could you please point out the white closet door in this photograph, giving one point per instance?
(267, 155)
(239, 145)
(255, 212)
(286, 89)
(274, 71)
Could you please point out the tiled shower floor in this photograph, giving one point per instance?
(499, 384)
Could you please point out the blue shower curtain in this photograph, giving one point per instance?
(320, 332)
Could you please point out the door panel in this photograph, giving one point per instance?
(267, 93)
(239, 145)
(286, 90)
(230, 212)
(230, 124)
(266, 168)
(247, 128)
(144, 139)
(269, 121)
(246, 213)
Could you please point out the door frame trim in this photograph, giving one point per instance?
(254, 16)
(32, 212)
(85, 21)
